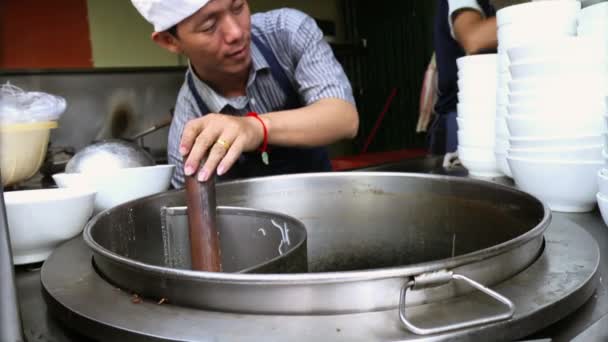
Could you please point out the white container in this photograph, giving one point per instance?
(560, 84)
(564, 49)
(120, 186)
(475, 61)
(556, 69)
(473, 125)
(559, 98)
(556, 109)
(594, 14)
(503, 164)
(602, 181)
(549, 11)
(602, 202)
(544, 126)
(527, 33)
(482, 139)
(480, 162)
(40, 220)
(587, 153)
(565, 186)
(478, 110)
(501, 128)
(501, 146)
(554, 141)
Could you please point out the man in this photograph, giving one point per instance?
(462, 27)
(276, 64)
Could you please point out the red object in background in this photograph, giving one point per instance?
(370, 159)
(387, 106)
(44, 34)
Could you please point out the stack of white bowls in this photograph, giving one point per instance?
(556, 120)
(476, 114)
(523, 24)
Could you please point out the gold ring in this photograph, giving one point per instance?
(223, 143)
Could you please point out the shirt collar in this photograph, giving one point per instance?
(216, 102)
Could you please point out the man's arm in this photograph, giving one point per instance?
(474, 32)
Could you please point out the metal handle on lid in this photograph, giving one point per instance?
(444, 277)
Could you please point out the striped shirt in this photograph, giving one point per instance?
(307, 59)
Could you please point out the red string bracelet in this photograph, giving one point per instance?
(264, 147)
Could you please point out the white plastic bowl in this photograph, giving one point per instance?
(595, 13)
(556, 69)
(526, 33)
(546, 126)
(480, 162)
(473, 125)
(501, 146)
(478, 110)
(559, 84)
(602, 181)
(575, 49)
(532, 11)
(565, 186)
(501, 128)
(488, 60)
(503, 164)
(40, 220)
(483, 139)
(588, 153)
(556, 109)
(122, 185)
(554, 141)
(602, 202)
(559, 98)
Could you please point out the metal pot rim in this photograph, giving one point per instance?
(343, 276)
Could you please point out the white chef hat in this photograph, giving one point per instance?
(164, 14)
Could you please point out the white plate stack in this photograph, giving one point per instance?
(556, 120)
(476, 114)
(523, 24)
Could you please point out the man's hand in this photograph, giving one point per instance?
(220, 139)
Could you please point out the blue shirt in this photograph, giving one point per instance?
(306, 58)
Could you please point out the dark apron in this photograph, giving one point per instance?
(283, 160)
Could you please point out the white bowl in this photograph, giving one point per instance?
(579, 49)
(602, 202)
(602, 181)
(478, 110)
(565, 186)
(501, 146)
(595, 13)
(40, 220)
(522, 34)
(473, 125)
(559, 98)
(488, 60)
(557, 84)
(557, 109)
(547, 126)
(554, 141)
(588, 153)
(122, 185)
(532, 11)
(501, 128)
(556, 69)
(480, 162)
(503, 164)
(483, 139)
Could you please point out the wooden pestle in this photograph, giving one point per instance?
(204, 236)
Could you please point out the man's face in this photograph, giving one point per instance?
(217, 37)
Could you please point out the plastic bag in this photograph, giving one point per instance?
(18, 106)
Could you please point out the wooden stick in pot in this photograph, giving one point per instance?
(204, 236)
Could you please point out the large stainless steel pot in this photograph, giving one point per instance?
(372, 238)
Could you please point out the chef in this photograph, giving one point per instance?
(263, 93)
